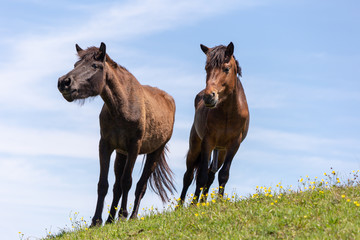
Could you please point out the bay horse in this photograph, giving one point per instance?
(135, 119)
(220, 124)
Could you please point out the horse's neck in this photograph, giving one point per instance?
(233, 95)
(120, 91)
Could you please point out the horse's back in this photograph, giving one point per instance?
(156, 97)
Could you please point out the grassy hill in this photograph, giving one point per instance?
(317, 209)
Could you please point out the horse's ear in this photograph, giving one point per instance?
(102, 52)
(78, 48)
(229, 50)
(204, 48)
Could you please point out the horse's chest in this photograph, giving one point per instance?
(221, 128)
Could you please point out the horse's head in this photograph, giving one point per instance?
(221, 73)
(87, 78)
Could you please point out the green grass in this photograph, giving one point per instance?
(318, 209)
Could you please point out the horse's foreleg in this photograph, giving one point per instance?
(119, 164)
(126, 180)
(202, 176)
(141, 186)
(211, 173)
(224, 172)
(105, 151)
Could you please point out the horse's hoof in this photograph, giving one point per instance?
(123, 215)
(96, 223)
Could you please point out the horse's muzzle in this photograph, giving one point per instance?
(210, 100)
(64, 86)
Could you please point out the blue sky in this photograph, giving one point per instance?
(300, 63)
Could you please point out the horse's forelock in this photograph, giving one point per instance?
(216, 57)
(89, 53)
(92, 53)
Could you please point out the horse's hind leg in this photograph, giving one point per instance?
(189, 174)
(126, 179)
(103, 185)
(141, 186)
(192, 159)
(224, 172)
(119, 164)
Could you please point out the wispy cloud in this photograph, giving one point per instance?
(24, 141)
(37, 59)
(298, 142)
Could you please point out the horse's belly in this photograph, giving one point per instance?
(155, 138)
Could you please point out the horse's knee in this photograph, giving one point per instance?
(117, 187)
(103, 187)
(188, 176)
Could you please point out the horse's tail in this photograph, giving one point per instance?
(161, 180)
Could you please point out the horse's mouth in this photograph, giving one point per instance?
(69, 96)
(210, 105)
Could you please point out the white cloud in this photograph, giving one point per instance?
(304, 143)
(16, 140)
(36, 59)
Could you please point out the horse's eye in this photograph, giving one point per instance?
(94, 66)
(226, 70)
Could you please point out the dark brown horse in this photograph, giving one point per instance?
(221, 122)
(135, 119)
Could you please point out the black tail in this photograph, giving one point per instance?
(161, 180)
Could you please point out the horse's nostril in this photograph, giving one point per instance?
(67, 82)
(213, 94)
